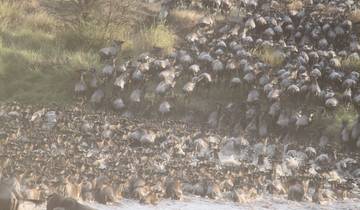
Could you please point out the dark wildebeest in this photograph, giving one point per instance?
(58, 201)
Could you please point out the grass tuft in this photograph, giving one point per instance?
(271, 56)
(355, 16)
(185, 18)
(295, 5)
(158, 36)
(351, 63)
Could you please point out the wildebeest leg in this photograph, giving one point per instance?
(185, 99)
(82, 101)
(225, 84)
(207, 91)
(189, 99)
(15, 203)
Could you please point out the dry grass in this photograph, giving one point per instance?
(185, 18)
(182, 22)
(355, 16)
(326, 10)
(158, 36)
(271, 56)
(295, 5)
(351, 63)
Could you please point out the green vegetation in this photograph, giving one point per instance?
(41, 52)
(159, 36)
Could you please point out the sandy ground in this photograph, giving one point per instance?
(267, 203)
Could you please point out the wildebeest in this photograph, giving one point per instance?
(57, 201)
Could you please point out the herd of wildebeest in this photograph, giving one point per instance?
(262, 80)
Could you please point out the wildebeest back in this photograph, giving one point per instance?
(56, 200)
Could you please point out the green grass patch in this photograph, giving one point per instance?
(39, 55)
(157, 35)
